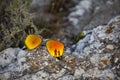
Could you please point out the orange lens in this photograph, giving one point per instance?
(55, 48)
(32, 41)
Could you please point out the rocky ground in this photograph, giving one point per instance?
(95, 57)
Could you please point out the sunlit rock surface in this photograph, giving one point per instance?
(96, 56)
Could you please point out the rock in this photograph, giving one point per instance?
(68, 51)
(59, 74)
(82, 44)
(99, 49)
(107, 75)
(67, 77)
(95, 59)
(78, 72)
(111, 47)
(7, 56)
(5, 76)
(87, 50)
(87, 59)
(12, 64)
(95, 72)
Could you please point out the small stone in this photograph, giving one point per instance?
(102, 36)
(59, 74)
(34, 67)
(75, 53)
(95, 59)
(5, 76)
(87, 51)
(35, 77)
(79, 72)
(46, 63)
(105, 60)
(94, 72)
(68, 51)
(111, 47)
(62, 72)
(70, 60)
(107, 75)
(110, 38)
(101, 65)
(7, 56)
(67, 77)
(44, 74)
(91, 38)
(109, 29)
(116, 60)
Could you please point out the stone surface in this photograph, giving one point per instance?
(96, 56)
(55, 19)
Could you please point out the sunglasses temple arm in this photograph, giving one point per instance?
(24, 48)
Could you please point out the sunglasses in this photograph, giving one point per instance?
(54, 47)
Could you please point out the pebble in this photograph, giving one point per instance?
(67, 77)
(79, 72)
(107, 75)
(59, 74)
(87, 50)
(5, 76)
(95, 59)
(111, 47)
(7, 56)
